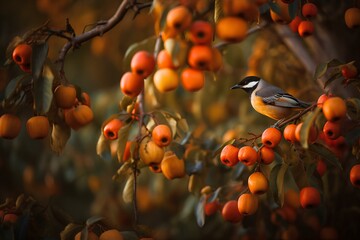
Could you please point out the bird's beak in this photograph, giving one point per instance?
(236, 86)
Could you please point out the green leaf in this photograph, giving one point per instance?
(275, 7)
(125, 102)
(306, 127)
(60, 134)
(334, 76)
(84, 233)
(325, 154)
(123, 170)
(193, 167)
(39, 55)
(323, 67)
(353, 108)
(273, 182)
(159, 118)
(94, 219)
(177, 50)
(147, 45)
(264, 8)
(15, 85)
(200, 211)
(121, 141)
(178, 149)
(70, 230)
(215, 194)
(238, 170)
(128, 235)
(103, 147)
(293, 9)
(128, 192)
(218, 12)
(43, 93)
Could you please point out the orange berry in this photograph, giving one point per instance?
(161, 135)
(245, 9)
(111, 234)
(230, 212)
(79, 116)
(166, 80)
(143, 64)
(334, 109)
(349, 71)
(267, 155)
(10, 126)
(306, 28)
(38, 127)
(201, 32)
(111, 129)
(309, 197)
(200, 57)
(322, 99)
(271, 137)
(247, 155)
(332, 130)
(352, 17)
(65, 96)
(212, 207)
(321, 167)
(131, 84)
(179, 18)
(172, 167)
(289, 133)
(248, 204)
(10, 218)
(309, 10)
(22, 56)
(231, 29)
(150, 152)
(164, 60)
(258, 183)
(229, 155)
(283, 17)
(192, 79)
(294, 24)
(355, 175)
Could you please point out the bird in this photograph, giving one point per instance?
(270, 100)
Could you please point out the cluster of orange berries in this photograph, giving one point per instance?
(152, 150)
(304, 27)
(76, 112)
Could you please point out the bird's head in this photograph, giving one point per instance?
(248, 84)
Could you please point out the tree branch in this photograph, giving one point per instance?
(100, 29)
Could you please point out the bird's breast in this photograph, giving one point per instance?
(270, 111)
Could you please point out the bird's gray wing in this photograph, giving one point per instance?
(281, 98)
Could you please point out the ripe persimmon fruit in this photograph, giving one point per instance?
(22, 56)
(212, 207)
(352, 17)
(192, 79)
(231, 29)
(150, 152)
(166, 80)
(172, 167)
(267, 155)
(111, 129)
(247, 155)
(248, 203)
(200, 57)
(143, 64)
(271, 137)
(230, 212)
(292, 198)
(91, 236)
(309, 10)
(201, 32)
(65, 96)
(79, 116)
(246, 9)
(334, 109)
(309, 197)
(332, 130)
(349, 71)
(179, 18)
(37, 127)
(258, 183)
(112, 234)
(289, 133)
(155, 167)
(10, 126)
(229, 155)
(306, 28)
(322, 99)
(164, 60)
(131, 84)
(313, 133)
(161, 135)
(321, 167)
(355, 175)
(294, 24)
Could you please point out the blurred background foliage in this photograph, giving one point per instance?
(79, 182)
